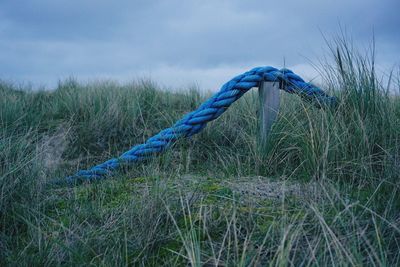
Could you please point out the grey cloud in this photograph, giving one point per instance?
(46, 40)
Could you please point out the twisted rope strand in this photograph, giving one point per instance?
(193, 122)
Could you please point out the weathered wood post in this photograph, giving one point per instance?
(269, 95)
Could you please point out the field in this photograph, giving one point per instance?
(324, 191)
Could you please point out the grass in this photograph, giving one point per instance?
(325, 192)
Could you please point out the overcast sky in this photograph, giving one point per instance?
(179, 43)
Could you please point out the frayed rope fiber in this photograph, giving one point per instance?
(195, 121)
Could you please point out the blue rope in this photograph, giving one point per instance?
(195, 121)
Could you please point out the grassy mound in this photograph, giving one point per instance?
(325, 191)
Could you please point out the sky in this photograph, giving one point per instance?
(183, 43)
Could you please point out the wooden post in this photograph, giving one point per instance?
(269, 95)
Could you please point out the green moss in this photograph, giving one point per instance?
(119, 200)
(215, 192)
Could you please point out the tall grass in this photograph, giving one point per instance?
(182, 208)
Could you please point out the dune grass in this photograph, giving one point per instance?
(196, 204)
